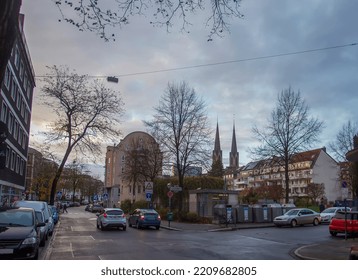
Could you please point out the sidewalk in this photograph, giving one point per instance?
(335, 249)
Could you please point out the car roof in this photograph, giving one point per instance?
(27, 209)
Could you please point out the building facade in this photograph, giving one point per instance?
(134, 161)
(310, 167)
(15, 115)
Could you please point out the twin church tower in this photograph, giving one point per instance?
(234, 155)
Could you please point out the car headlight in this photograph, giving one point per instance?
(29, 240)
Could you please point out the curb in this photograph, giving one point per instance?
(302, 257)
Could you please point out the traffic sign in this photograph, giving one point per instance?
(105, 196)
(59, 194)
(170, 194)
(148, 187)
(176, 188)
(344, 184)
(148, 196)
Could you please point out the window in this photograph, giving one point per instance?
(28, 90)
(24, 141)
(18, 100)
(13, 158)
(21, 133)
(4, 110)
(17, 164)
(26, 117)
(16, 129)
(7, 77)
(25, 80)
(10, 122)
(7, 157)
(17, 57)
(23, 108)
(22, 70)
(13, 90)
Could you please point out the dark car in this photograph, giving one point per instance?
(344, 222)
(141, 218)
(19, 233)
(96, 208)
(111, 218)
(55, 214)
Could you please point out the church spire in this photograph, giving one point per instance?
(234, 155)
(217, 153)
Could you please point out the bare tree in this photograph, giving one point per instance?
(87, 115)
(344, 143)
(315, 192)
(344, 140)
(289, 131)
(180, 124)
(99, 17)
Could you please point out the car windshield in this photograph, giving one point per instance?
(329, 210)
(16, 218)
(292, 212)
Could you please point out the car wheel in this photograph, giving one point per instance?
(36, 257)
(293, 223)
(137, 225)
(97, 225)
(42, 242)
(333, 233)
(157, 227)
(315, 222)
(129, 223)
(124, 228)
(102, 228)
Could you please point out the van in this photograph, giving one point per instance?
(42, 214)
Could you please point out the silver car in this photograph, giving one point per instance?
(298, 216)
(111, 218)
(328, 213)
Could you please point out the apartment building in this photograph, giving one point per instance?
(134, 161)
(15, 115)
(315, 166)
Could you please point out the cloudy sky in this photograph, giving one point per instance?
(245, 90)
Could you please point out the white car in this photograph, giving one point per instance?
(328, 213)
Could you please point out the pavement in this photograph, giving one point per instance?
(337, 248)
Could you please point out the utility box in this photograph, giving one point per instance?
(275, 209)
(244, 213)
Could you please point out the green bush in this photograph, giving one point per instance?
(126, 206)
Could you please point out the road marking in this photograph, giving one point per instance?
(73, 256)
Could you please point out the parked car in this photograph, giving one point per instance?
(298, 216)
(43, 230)
(55, 214)
(111, 217)
(328, 213)
(88, 207)
(19, 233)
(344, 221)
(141, 218)
(39, 206)
(96, 208)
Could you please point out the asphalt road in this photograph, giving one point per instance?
(77, 237)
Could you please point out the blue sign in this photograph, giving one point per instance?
(344, 184)
(95, 197)
(148, 196)
(105, 196)
(59, 194)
